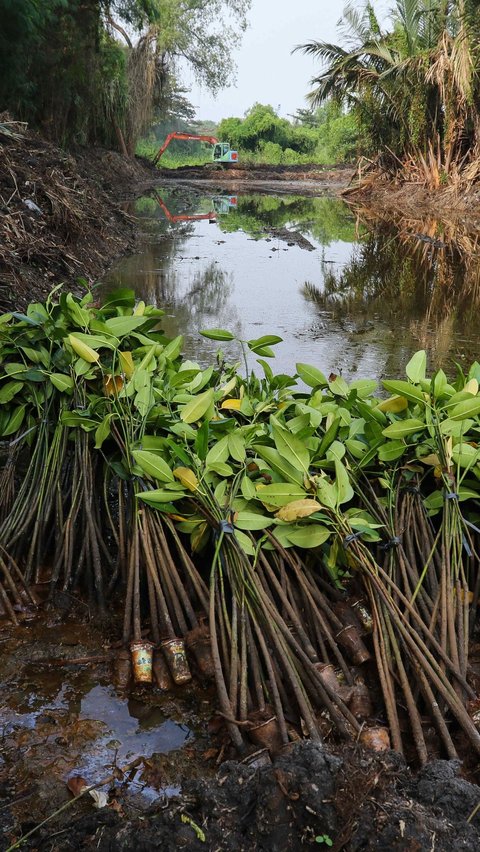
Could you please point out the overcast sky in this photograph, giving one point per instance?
(267, 72)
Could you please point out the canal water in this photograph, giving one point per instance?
(346, 296)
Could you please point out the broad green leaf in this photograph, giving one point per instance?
(197, 407)
(279, 493)
(394, 404)
(78, 314)
(402, 428)
(218, 453)
(327, 493)
(311, 375)
(290, 447)
(96, 341)
(417, 366)
(62, 382)
(364, 387)
(221, 468)
(466, 409)
(9, 390)
(103, 431)
(261, 344)
(251, 521)
(391, 450)
(245, 543)
(83, 349)
(153, 465)
(236, 446)
(174, 348)
(277, 463)
(15, 421)
(464, 455)
(153, 498)
(143, 400)
(405, 389)
(308, 535)
(121, 326)
(201, 441)
(218, 334)
(344, 489)
(455, 428)
(248, 488)
(338, 386)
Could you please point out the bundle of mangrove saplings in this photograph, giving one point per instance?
(310, 546)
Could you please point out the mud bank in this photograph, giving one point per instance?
(62, 216)
(299, 179)
(312, 798)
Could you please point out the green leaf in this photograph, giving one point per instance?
(236, 446)
(62, 382)
(290, 447)
(153, 465)
(404, 389)
(339, 387)
(121, 326)
(280, 493)
(391, 450)
(465, 455)
(174, 348)
(218, 334)
(344, 489)
(245, 543)
(417, 366)
(311, 376)
(308, 535)
(402, 428)
(9, 390)
(466, 409)
(246, 520)
(103, 431)
(153, 498)
(327, 493)
(278, 463)
(121, 297)
(96, 341)
(198, 406)
(248, 488)
(218, 453)
(221, 468)
(15, 421)
(261, 344)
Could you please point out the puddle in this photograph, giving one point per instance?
(355, 301)
(59, 721)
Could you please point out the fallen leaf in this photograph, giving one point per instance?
(76, 784)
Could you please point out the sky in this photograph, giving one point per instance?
(267, 72)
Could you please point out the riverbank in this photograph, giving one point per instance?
(62, 213)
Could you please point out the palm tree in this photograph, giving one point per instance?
(413, 84)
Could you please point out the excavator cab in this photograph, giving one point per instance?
(222, 153)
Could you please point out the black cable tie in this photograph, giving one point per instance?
(411, 489)
(352, 537)
(225, 526)
(451, 495)
(394, 542)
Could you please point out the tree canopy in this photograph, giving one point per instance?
(92, 70)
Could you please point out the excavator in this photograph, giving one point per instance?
(222, 153)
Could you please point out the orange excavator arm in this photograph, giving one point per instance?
(212, 140)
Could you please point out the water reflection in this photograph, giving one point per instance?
(364, 297)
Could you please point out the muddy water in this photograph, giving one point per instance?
(60, 718)
(343, 296)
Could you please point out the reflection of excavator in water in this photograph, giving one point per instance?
(221, 205)
(222, 153)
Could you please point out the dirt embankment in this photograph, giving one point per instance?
(305, 179)
(61, 213)
(310, 799)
